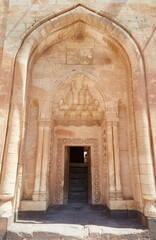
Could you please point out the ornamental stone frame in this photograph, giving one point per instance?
(36, 39)
(95, 180)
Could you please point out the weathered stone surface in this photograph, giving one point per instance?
(152, 227)
(77, 74)
(3, 227)
(72, 232)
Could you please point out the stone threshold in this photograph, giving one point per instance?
(23, 231)
(74, 223)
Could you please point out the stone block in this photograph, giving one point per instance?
(3, 227)
(33, 205)
(152, 227)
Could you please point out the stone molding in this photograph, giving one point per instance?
(77, 123)
(95, 182)
(44, 122)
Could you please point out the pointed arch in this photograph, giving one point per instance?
(49, 32)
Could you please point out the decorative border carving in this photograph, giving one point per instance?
(95, 180)
(77, 123)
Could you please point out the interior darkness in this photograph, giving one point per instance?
(77, 154)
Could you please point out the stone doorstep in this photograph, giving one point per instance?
(27, 231)
(5, 222)
(152, 227)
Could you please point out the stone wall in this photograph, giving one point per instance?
(18, 18)
(82, 53)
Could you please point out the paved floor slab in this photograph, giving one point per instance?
(76, 223)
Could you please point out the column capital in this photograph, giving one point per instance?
(111, 116)
(43, 122)
(115, 123)
(112, 123)
(109, 124)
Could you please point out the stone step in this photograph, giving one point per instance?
(78, 176)
(74, 207)
(78, 185)
(78, 194)
(78, 170)
(78, 181)
(40, 231)
(78, 200)
(76, 221)
(78, 188)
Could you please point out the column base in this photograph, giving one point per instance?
(39, 196)
(5, 221)
(121, 204)
(43, 196)
(6, 217)
(35, 196)
(29, 205)
(115, 195)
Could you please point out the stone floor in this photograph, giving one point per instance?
(74, 223)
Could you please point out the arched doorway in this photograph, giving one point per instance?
(119, 47)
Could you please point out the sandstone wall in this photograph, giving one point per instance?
(18, 17)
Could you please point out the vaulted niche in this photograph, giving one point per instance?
(79, 72)
(79, 102)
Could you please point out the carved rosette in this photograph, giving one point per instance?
(61, 143)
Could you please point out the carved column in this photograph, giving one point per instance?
(113, 157)
(11, 157)
(38, 164)
(116, 160)
(40, 186)
(110, 157)
(44, 167)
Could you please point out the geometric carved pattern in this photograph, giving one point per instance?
(105, 167)
(95, 178)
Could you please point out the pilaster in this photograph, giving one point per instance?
(40, 193)
(115, 191)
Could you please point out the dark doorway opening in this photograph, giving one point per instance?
(78, 177)
(76, 154)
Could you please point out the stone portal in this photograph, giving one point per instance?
(79, 95)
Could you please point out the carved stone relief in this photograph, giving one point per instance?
(95, 182)
(78, 107)
(105, 161)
